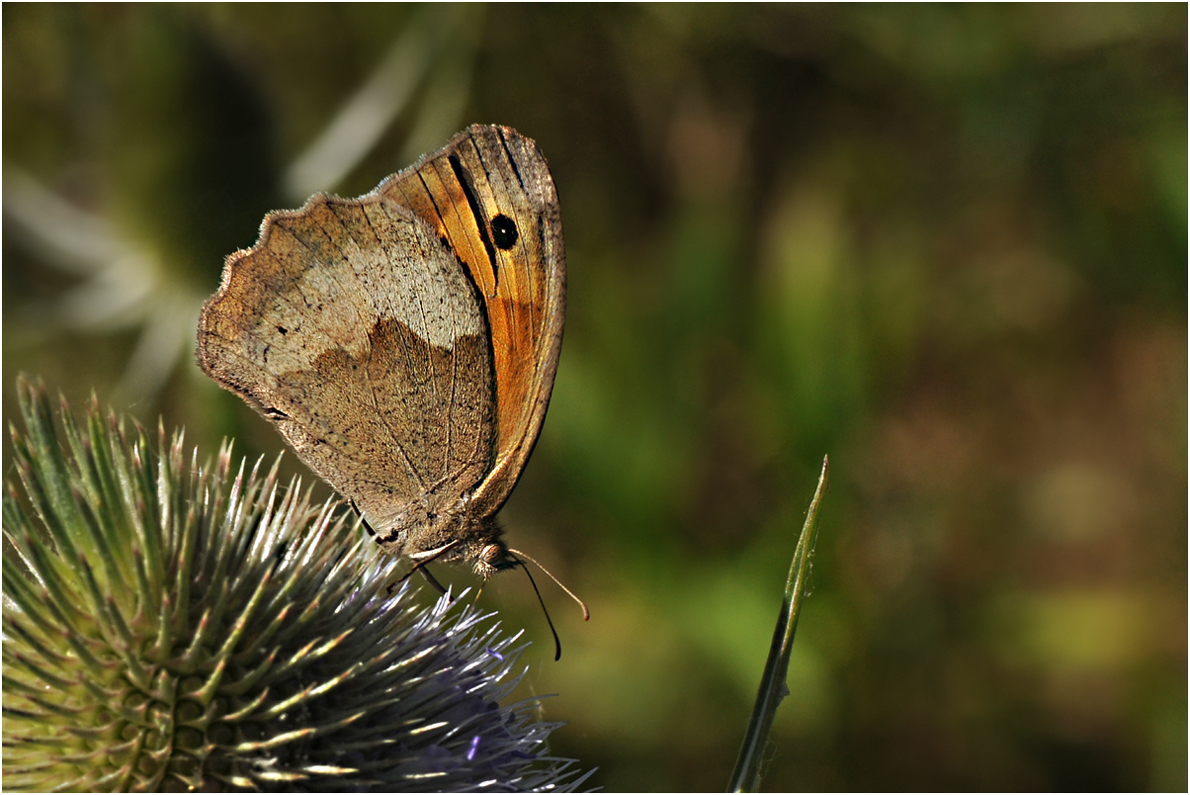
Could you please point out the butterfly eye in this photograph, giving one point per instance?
(504, 232)
(491, 553)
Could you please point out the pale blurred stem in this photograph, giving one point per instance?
(773, 688)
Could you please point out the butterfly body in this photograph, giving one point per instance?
(405, 342)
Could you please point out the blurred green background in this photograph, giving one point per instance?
(945, 245)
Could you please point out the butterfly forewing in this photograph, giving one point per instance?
(489, 195)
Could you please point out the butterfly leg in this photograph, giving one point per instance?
(432, 580)
(420, 565)
(358, 513)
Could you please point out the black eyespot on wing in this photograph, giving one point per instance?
(504, 232)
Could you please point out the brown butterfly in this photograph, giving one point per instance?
(405, 342)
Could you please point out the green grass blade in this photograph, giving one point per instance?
(746, 776)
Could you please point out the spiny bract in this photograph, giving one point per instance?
(169, 628)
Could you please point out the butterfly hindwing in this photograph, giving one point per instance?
(355, 330)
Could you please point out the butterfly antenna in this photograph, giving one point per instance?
(570, 593)
(548, 620)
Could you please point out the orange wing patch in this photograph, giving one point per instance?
(488, 194)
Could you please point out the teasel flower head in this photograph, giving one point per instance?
(174, 626)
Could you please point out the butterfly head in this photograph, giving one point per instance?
(493, 557)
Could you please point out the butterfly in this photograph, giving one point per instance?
(405, 343)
